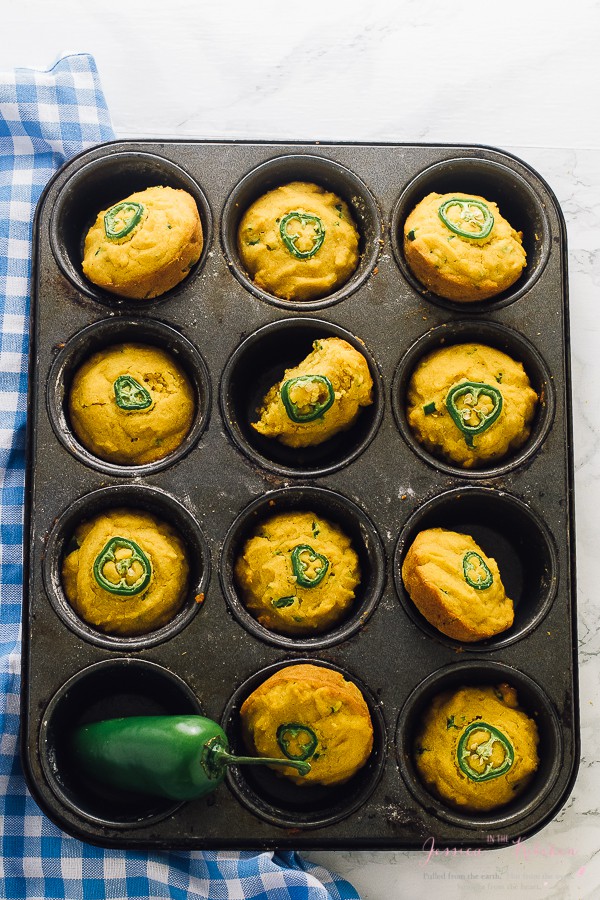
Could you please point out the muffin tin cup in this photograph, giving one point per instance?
(100, 184)
(137, 497)
(106, 333)
(380, 486)
(336, 509)
(327, 174)
(518, 202)
(281, 802)
(532, 699)
(109, 689)
(501, 338)
(257, 364)
(508, 531)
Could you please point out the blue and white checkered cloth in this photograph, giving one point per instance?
(45, 118)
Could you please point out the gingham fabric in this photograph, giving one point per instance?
(45, 118)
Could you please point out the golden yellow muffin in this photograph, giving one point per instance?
(476, 749)
(144, 245)
(456, 586)
(131, 404)
(298, 242)
(470, 404)
(128, 574)
(461, 248)
(319, 397)
(310, 713)
(298, 573)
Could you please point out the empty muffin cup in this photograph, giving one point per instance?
(276, 799)
(329, 175)
(518, 203)
(98, 185)
(258, 364)
(532, 700)
(333, 508)
(134, 498)
(99, 337)
(490, 335)
(507, 530)
(108, 689)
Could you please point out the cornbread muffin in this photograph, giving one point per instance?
(310, 713)
(298, 573)
(470, 404)
(144, 245)
(461, 248)
(456, 586)
(298, 242)
(128, 574)
(477, 750)
(319, 397)
(131, 404)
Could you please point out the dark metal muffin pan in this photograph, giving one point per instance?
(234, 340)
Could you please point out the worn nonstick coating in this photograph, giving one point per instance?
(378, 482)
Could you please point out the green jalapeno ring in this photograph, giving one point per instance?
(475, 388)
(299, 566)
(289, 240)
(485, 226)
(294, 731)
(107, 554)
(135, 211)
(317, 410)
(469, 566)
(130, 394)
(484, 752)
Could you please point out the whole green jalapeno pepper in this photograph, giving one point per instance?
(121, 219)
(179, 757)
(307, 412)
(486, 757)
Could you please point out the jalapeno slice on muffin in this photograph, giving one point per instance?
(319, 397)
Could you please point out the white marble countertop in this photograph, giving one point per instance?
(519, 76)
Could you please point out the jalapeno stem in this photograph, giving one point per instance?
(216, 758)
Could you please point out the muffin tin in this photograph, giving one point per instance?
(375, 480)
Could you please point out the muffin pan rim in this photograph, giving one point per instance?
(57, 539)
(56, 396)
(543, 418)
(349, 625)
(513, 293)
(477, 819)
(82, 284)
(226, 405)
(356, 279)
(504, 639)
(376, 764)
